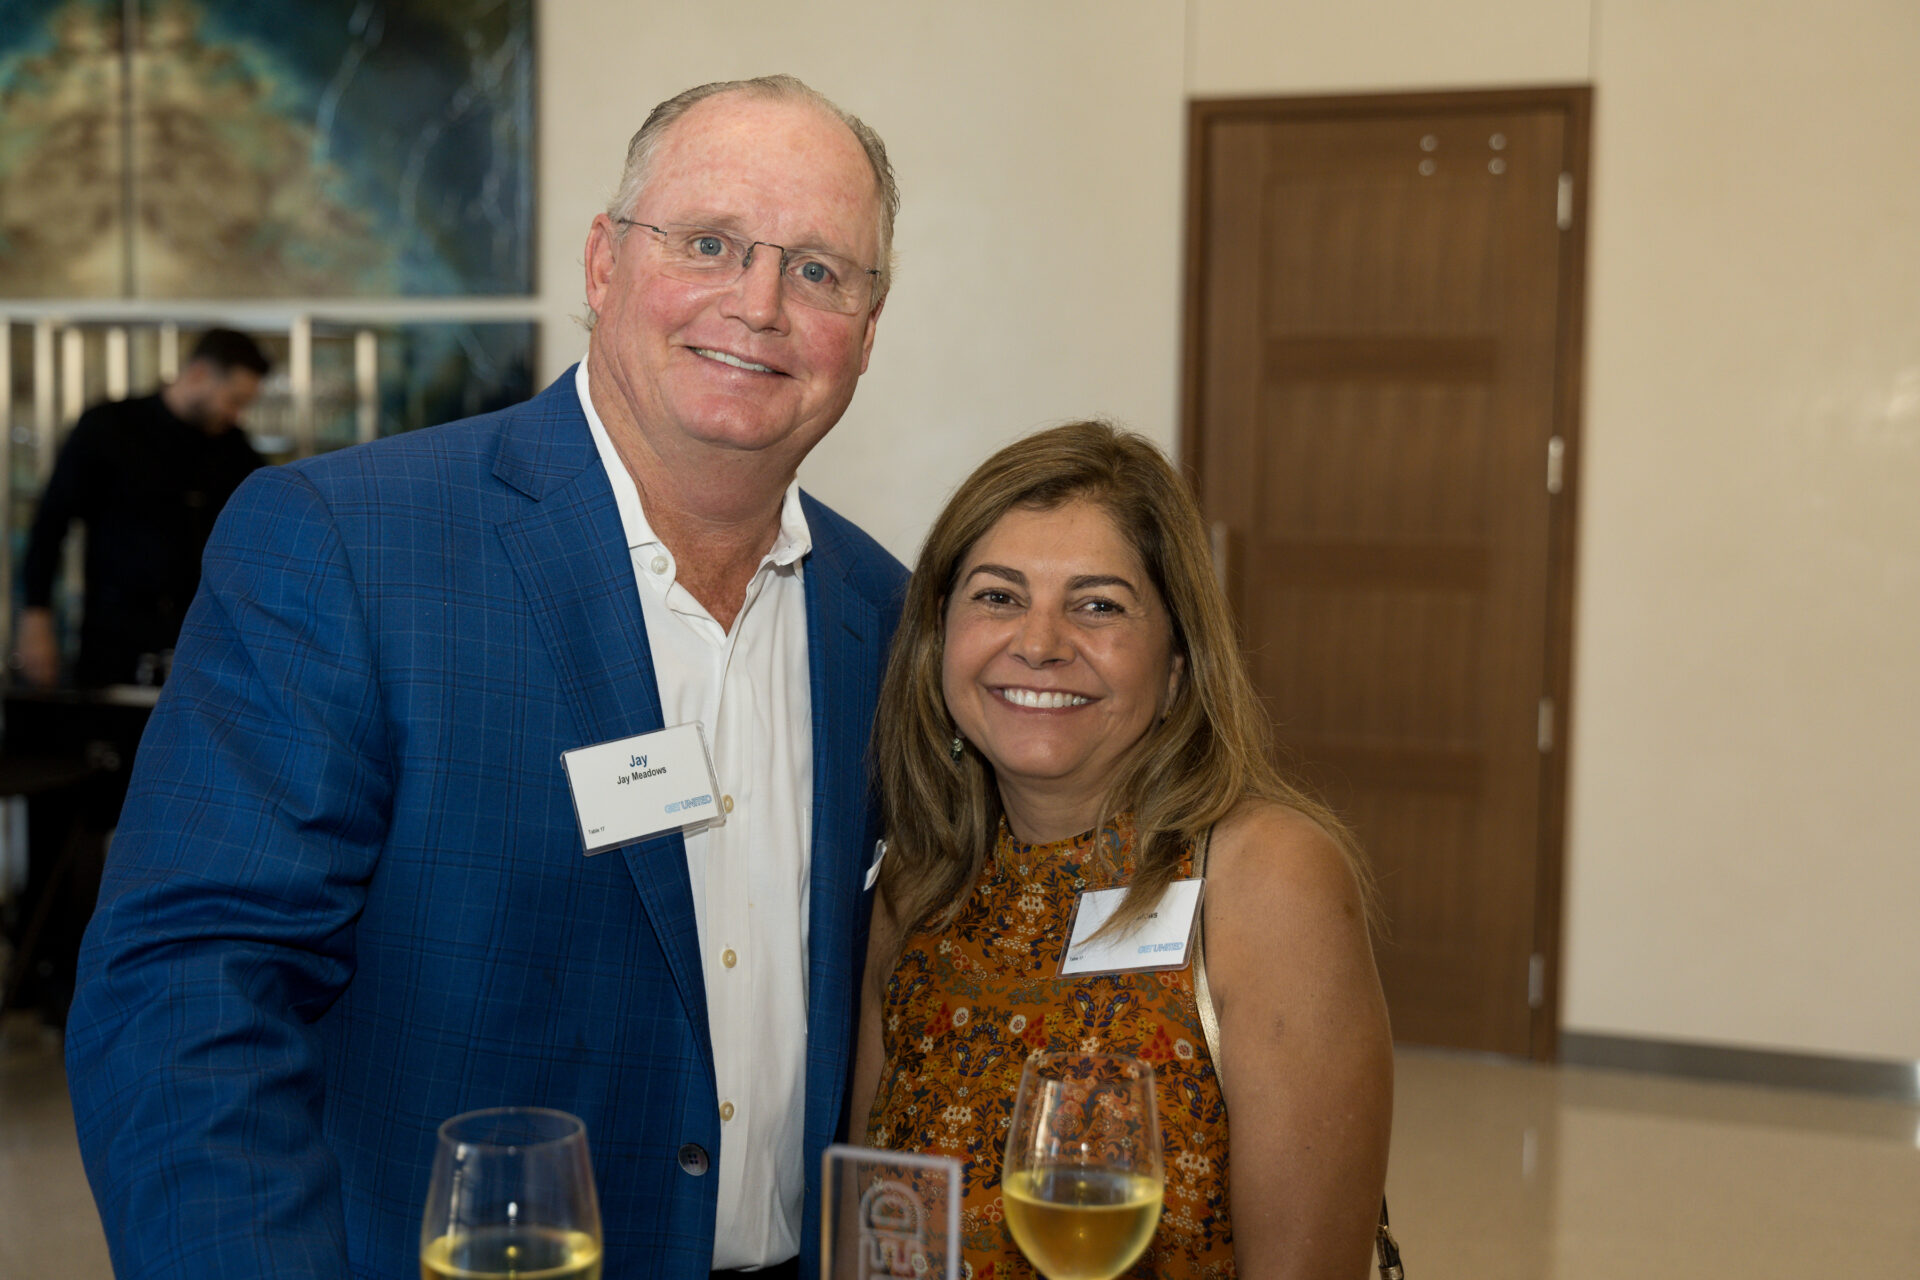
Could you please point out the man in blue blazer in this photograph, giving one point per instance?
(350, 897)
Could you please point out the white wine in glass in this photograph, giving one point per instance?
(511, 1198)
(1082, 1178)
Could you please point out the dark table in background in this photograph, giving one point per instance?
(69, 753)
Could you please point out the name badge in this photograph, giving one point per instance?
(636, 787)
(1160, 940)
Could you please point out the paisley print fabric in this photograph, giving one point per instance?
(966, 1006)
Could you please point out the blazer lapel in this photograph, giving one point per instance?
(569, 553)
(844, 641)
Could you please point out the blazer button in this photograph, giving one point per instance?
(693, 1159)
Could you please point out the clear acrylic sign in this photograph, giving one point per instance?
(889, 1214)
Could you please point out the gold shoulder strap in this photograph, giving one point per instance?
(1202, 993)
(1387, 1249)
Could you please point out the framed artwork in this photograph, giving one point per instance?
(233, 149)
(63, 211)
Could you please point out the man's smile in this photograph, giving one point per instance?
(724, 358)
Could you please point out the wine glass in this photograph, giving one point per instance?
(1082, 1179)
(511, 1197)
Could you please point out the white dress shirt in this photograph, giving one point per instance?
(749, 688)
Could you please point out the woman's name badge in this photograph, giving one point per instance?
(1160, 940)
(636, 787)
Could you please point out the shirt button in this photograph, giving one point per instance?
(726, 1111)
(729, 959)
(726, 802)
(659, 564)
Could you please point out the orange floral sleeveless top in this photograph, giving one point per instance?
(969, 1003)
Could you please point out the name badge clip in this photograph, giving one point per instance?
(1161, 940)
(631, 788)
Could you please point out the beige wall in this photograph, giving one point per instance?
(1246, 47)
(1745, 815)
(1747, 759)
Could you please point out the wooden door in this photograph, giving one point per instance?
(1381, 393)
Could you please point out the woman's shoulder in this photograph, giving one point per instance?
(1270, 861)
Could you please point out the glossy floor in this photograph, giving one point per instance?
(1501, 1171)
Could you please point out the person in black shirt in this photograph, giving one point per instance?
(148, 477)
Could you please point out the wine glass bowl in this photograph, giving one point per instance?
(1082, 1179)
(511, 1198)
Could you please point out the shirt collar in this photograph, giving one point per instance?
(790, 544)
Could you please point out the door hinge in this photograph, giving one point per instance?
(1536, 980)
(1563, 213)
(1544, 729)
(1556, 463)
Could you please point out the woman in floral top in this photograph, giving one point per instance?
(1067, 710)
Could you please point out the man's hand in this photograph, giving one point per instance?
(38, 651)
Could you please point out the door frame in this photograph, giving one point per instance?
(1576, 101)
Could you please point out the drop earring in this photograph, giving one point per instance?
(958, 749)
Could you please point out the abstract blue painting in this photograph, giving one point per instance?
(235, 149)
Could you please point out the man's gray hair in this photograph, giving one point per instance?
(646, 145)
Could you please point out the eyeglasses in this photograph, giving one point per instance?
(813, 277)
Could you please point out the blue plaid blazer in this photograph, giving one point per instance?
(347, 898)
